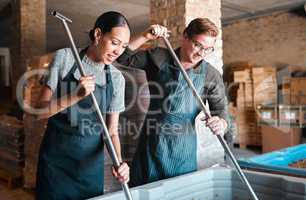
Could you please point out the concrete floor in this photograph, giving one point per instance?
(14, 194)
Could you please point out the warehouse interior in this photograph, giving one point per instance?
(261, 53)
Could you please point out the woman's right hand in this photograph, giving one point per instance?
(86, 86)
(155, 31)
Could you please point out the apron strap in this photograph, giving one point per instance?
(75, 66)
(109, 88)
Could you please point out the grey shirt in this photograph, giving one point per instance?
(63, 62)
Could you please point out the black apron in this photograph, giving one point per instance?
(168, 142)
(71, 160)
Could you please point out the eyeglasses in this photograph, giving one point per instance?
(199, 47)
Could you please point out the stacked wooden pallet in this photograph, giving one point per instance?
(11, 149)
(265, 85)
(33, 129)
(285, 91)
(292, 96)
(257, 85)
(246, 121)
(292, 80)
(296, 91)
(265, 92)
(228, 77)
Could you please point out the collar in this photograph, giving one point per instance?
(196, 69)
(93, 68)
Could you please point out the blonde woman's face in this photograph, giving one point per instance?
(113, 44)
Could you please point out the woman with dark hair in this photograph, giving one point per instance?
(167, 144)
(71, 160)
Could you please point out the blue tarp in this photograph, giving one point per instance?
(278, 161)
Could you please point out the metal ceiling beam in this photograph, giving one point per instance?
(233, 6)
(265, 12)
(134, 2)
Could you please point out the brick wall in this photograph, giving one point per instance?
(270, 40)
(28, 36)
(177, 14)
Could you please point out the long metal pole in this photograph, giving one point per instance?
(205, 110)
(107, 139)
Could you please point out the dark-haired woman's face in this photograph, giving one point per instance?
(113, 44)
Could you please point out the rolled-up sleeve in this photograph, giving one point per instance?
(54, 70)
(117, 102)
(134, 59)
(143, 59)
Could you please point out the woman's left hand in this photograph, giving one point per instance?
(217, 125)
(122, 174)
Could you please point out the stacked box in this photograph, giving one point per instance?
(11, 145)
(298, 91)
(257, 86)
(267, 115)
(228, 78)
(285, 91)
(284, 76)
(229, 70)
(265, 90)
(293, 91)
(246, 116)
(265, 85)
(278, 137)
(290, 115)
(33, 129)
(247, 128)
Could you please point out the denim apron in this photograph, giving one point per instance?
(71, 160)
(167, 144)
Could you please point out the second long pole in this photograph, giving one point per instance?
(205, 110)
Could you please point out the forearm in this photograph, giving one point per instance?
(54, 106)
(112, 121)
(143, 59)
(137, 41)
(117, 146)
